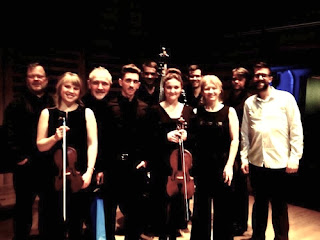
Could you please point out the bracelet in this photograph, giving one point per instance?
(91, 168)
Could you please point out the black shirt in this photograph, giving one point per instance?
(21, 123)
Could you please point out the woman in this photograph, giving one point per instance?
(167, 131)
(217, 139)
(81, 134)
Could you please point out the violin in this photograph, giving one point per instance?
(72, 174)
(180, 180)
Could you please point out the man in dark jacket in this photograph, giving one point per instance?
(150, 87)
(99, 84)
(127, 157)
(30, 176)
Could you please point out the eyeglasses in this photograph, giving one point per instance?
(263, 75)
(36, 76)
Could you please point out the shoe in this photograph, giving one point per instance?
(34, 237)
(146, 237)
(185, 230)
(120, 231)
(163, 237)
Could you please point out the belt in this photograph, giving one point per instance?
(123, 156)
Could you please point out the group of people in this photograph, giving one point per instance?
(124, 146)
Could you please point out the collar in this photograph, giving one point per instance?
(124, 99)
(270, 97)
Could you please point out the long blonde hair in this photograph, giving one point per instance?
(75, 80)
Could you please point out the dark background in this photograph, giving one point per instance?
(207, 32)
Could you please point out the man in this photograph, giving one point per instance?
(99, 84)
(193, 88)
(149, 93)
(31, 173)
(272, 145)
(127, 157)
(149, 90)
(236, 98)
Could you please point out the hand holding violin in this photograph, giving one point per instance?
(176, 135)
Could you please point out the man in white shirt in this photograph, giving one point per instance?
(272, 145)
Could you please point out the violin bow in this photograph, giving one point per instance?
(64, 169)
(182, 126)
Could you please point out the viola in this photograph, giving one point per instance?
(180, 180)
(73, 176)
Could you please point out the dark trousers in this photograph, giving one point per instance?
(30, 181)
(124, 189)
(269, 186)
(78, 206)
(168, 212)
(79, 213)
(240, 200)
(159, 200)
(221, 195)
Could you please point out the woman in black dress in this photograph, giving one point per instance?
(165, 117)
(81, 134)
(217, 138)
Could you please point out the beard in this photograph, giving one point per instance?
(259, 86)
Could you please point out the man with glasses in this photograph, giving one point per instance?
(193, 88)
(31, 176)
(272, 145)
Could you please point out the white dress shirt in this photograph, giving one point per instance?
(271, 130)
